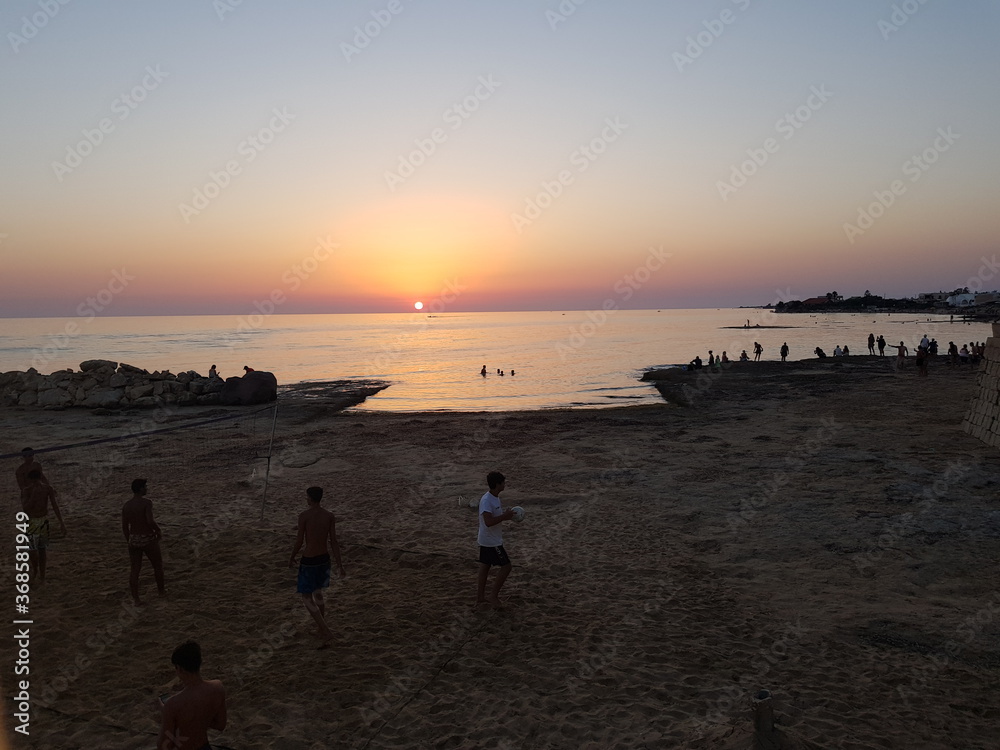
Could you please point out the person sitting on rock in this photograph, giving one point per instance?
(247, 369)
(820, 353)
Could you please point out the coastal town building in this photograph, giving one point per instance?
(971, 300)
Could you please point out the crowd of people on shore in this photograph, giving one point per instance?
(969, 354)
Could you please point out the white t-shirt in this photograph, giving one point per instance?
(490, 536)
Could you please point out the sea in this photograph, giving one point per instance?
(557, 359)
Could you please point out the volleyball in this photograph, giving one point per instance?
(518, 513)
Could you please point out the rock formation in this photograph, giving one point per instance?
(103, 384)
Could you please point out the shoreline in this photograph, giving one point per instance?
(818, 534)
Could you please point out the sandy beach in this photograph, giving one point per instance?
(823, 530)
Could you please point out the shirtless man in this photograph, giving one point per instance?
(901, 352)
(143, 536)
(35, 499)
(29, 463)
(316, 526)
(199, 706)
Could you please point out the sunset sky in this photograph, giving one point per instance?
(200, 157)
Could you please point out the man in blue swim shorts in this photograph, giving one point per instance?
(317, 526)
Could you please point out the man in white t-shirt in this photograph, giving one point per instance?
(491, 551)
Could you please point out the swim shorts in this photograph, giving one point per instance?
(141, 541)
(493, 556)
(38, 534)
(314, 573)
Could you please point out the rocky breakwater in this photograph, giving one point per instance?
(102, 384)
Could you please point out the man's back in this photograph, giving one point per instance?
(135, 513)
(316, 524)
(189, 715)
(35, 499)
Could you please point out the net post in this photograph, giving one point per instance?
(267, 471)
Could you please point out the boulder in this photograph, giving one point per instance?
(186, 399)
(117, 380)
(104, 398)
(140, 391)
(146, 402)
(256, 387)
(131, 370)
(184, 377)
(97, 364)
(209, 399)
(214, 385)
(54, 397)
(27, 398)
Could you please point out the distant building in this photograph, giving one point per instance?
(933, 296)
(971, 300)
(815, 301)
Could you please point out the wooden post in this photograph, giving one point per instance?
(764, 734)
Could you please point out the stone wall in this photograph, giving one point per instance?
(982, 420)
(102, 384)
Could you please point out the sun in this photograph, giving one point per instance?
(418, 305)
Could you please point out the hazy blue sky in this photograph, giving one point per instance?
(558, 149)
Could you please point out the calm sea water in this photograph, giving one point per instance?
(561, 359)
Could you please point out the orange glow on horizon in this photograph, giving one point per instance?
(419, 247)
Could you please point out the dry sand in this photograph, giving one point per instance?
(824, 531)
